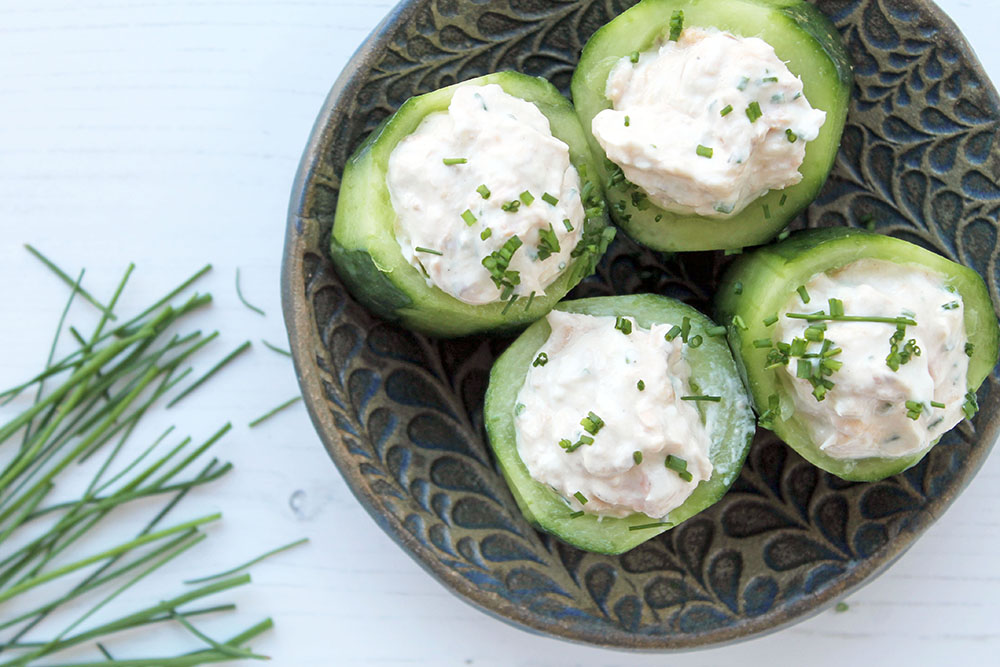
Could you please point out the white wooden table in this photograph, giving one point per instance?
(167, 132)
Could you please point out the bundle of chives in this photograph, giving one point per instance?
(84, 401)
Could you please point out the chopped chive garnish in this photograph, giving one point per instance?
(582, 498)
(568, 225)
(637, 457)
(804, 369)
(510, 302)
(836, 307)
(676, 25)
(716, 331)
(679, 466)
(739, 323)
(511, 206)
(952, 305)
(771, 320)
(450, 161)
(645, 526)
(469, 218)
(742, 85)
(577, 515)
(267, 415)
(486, 233)
(640, 385)
(497, 263)
(762, 343)
(540, 360)
(773, 411)
(830, 366)
(429, 251)
(685, 328)
(803, 293)
(674, 332)
(821, 316)
(527, 198)
(704, 151)
(971, 405)
(969, 349)
(753, 112)
(767, 212)
(814, 333)
(634, 57)
(791, 136)
(728, 109)
(914, 409)
(483, 191)
(531, 300)
(519, 408)
(573, 446)
(549, 199)
(696, 341)
(548, 243)
(628, 121)
(709, 399)
(784, 198)
(592, 424)
(936, 404)
(623, 324)
(770, 79)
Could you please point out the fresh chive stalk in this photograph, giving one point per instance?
(275, 348)
(239, 294)
(272, 412)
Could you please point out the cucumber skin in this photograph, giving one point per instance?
(363, 247)
(542, 506)
(816, 42)
(771, 274)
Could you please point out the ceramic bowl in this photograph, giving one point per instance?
(401, 414)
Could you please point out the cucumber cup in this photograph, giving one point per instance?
(759, 285)
(729, 424)
(801, 36)
(363, 244)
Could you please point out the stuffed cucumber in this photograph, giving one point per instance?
(715, 123)
(859, 350)
(472, 208)
(617, 418)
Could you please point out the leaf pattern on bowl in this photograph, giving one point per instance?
(401, 414)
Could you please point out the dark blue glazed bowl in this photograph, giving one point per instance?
(401, 414)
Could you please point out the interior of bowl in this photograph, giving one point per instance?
(401, 414)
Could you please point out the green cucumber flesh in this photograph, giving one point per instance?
(730, 422)
(801, 36)
(770, 275)
(363, 244)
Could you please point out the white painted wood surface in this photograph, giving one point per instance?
(167, 132)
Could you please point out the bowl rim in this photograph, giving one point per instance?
(303, 337)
